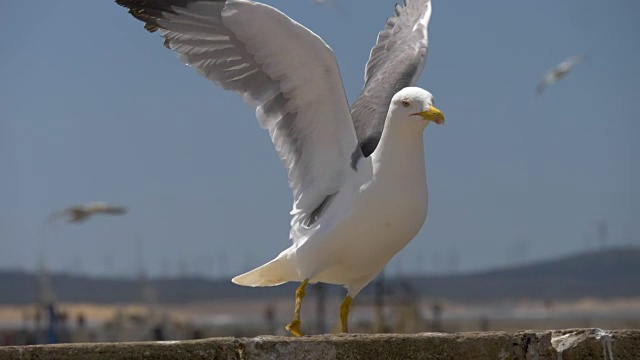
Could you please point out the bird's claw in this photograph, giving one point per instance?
(294, 328)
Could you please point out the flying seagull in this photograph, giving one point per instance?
(80, 213)
(559, 72)
(358, 177)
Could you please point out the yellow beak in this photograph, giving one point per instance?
(432, 114)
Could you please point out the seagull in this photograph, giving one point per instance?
(80, 213)
(357, 175)
(559, 72)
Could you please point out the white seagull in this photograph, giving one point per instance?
(560, 71)
(358, 177)
(80, 213)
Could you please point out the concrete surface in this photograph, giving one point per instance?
(573, 344)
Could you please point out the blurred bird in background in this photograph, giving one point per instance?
(559, 72)
(80, 213)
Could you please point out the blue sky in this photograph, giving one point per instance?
(92, 107)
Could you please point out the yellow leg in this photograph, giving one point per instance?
(294, 326)
(344, 313)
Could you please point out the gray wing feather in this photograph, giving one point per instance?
(395, 62)
(288, 73)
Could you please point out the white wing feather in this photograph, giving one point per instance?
(277, 65)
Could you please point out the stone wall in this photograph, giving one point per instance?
(574, 344)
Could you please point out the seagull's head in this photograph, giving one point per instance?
(413, 105)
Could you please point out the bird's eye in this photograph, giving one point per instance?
(405, 103)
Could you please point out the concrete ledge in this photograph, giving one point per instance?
(574, 344)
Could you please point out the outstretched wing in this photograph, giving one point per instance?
(573, 60)
(396, 61)
(280, 67)
(115, 210)
(73, 214)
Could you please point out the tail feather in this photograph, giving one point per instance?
(275, 272)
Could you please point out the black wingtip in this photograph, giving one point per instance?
(150, 27)
(130, 4)
(137, 10)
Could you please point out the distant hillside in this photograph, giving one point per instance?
(604, 274)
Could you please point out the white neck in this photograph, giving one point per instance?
(400, 152)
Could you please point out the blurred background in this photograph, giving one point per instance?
(533, 219)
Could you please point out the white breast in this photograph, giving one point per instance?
(387, 212)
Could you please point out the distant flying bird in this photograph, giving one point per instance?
(79, 213)
(559, 72)
(357, 175)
